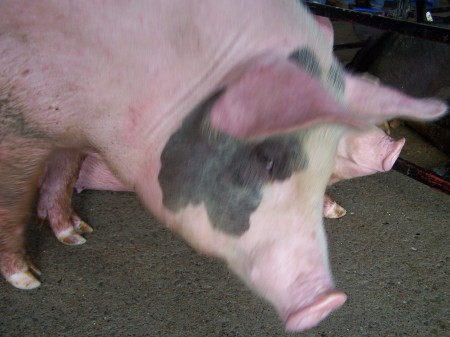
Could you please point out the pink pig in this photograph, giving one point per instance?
(223, 116)
(361, 154)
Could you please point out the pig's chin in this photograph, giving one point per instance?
(303, 304)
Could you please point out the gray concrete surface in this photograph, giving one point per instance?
(133, 277)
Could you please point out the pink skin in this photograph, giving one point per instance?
(117, 79)
(95, 175)
(326, 26)
(361, 154)
(55, 197)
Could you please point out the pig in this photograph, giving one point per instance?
(223, 116)
(365, 154)
(361, 154)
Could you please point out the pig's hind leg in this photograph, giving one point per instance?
(55, 197)
(21, 162)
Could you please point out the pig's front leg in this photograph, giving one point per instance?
(55, 197)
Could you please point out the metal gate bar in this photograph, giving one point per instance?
(382, 22)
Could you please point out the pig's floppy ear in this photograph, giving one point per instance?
(376, 103)
(274, 96)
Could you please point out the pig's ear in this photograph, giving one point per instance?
(326, 26)
(274, 96)
(376, 103)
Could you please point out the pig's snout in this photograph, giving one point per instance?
(308, 316)
(295, 278)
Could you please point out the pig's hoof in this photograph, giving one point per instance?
(70, 237)
(70, 233)
(333, 211)
(80, 226)
(23, 280)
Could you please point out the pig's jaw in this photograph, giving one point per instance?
(283, 257)
(290, 270)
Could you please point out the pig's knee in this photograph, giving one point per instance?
(55, 197)
(68, 229)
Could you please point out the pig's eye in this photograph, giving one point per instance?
(272, 159)
(266, 161)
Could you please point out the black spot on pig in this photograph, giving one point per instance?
(306, 58)
(335, 78)
(12, 117)
(202, 165)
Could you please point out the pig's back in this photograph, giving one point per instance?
(118, 77)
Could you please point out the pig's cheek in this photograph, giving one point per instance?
(288, 223)
(193, 224)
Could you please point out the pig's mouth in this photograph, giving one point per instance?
(310, 315)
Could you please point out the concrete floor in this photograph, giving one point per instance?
(133, 277)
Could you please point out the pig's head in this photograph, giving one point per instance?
(246, 173)
(364, 153)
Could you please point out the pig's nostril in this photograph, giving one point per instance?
(309, 316)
